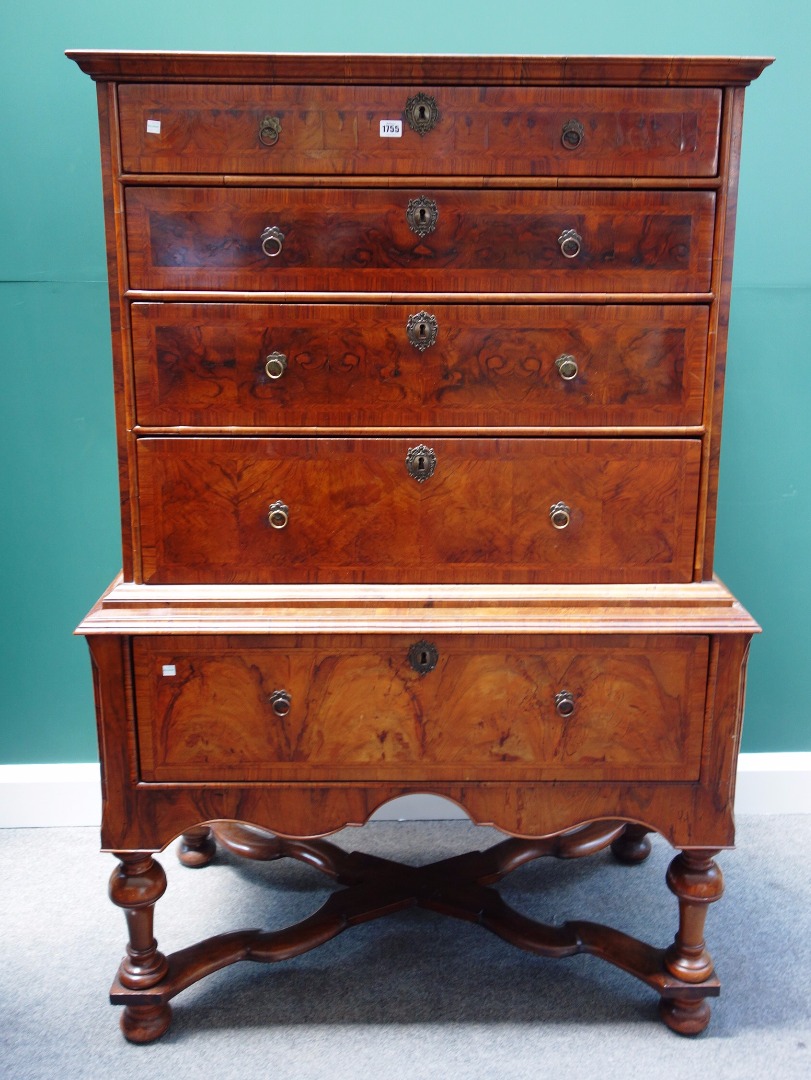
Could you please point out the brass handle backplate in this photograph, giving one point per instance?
(422, 215)
(571, 243)
(560, 515)
(564, 703)
(278, 514)
(422, 330)
(280, 702)
(567, 367)
(275, 365)
(269, 130)
(272, 241)
(420, 462)
(572, 134)
(421, 113)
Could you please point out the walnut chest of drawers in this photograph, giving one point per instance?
(419, 371)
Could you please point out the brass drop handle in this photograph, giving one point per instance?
(272, 241)
(269, 130)
(567, 367)
(572, 134)
(278, 514)
(564, 703)
(560, 515)
(571, 243)
(280, 702)
(275, 365)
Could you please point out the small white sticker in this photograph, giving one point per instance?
(169, 669)
(391, 129)
(153, 127)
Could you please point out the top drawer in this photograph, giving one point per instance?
(472, 131)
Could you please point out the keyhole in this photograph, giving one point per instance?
(422, 213)
(422, 112)
(423, 329)
(420, 463)
(423, 657)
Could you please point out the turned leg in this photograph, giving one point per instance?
(197, 847)
(633, 846)
(697, 881)
(136, 885)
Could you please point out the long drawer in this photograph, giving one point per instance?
(455, 707)
(332, 365)
(507, 241)
(396, 510)
(457, 131)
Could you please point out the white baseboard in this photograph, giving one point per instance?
(48, 796)
(41, 796)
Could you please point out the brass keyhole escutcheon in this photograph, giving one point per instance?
(422, 215)
(420, 462)
(422, 329)
(421, 113)
(423, 656)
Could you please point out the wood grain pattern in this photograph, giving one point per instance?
(357, 515)
(726, 211)
(359, 710)
(504, 131)
(147, 816)
(217, 610)
(368, 68)
(353, 365)
(703, 607)
(199, 237)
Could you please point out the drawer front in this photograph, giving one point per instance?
(354, 513)
(301, 708)
(353, 130)
(361, 240)
(209, 365)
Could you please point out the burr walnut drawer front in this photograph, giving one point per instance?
(449, 707)
(397, 510)
(416, 239)
(327, 365)
(431, 130)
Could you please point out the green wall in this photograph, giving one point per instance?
(59, 540)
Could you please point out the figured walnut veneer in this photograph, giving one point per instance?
(308, 624)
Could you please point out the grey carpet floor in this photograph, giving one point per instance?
(414, 996)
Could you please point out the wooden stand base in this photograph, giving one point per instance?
(460, 887)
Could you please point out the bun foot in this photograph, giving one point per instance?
(685, 1017)
(633, 846)
(145, 1023)
(197, 847)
